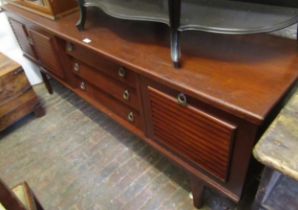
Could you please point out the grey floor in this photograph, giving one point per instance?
(76, 158)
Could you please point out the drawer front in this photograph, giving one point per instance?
(120, 91)
(12, 85)
(192, 134)
(120, 109)
(101, 64)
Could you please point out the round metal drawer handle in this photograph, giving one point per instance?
(83, 86)
(121, 72)
(131, 117)
(126, 95)
(76, 67)
(69, 47)
(181, 99)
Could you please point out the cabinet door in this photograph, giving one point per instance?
(23, 38)
(47, 49)
(194, 135)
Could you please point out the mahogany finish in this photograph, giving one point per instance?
(102, 64)
(232, 86)
(46, 48)
(120, 91)
(198, 137)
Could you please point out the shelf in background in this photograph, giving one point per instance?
(234, 17)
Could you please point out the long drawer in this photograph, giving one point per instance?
(120, 91)
(101, 64)
(122, 110)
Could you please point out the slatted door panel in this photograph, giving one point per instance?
(194, 135)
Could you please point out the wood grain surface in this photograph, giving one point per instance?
(243, 75)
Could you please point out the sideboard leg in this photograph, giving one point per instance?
(39, 110)
(47, 82)
(197, 188)
(83, 12)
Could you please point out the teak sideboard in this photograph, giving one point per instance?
(205, 117)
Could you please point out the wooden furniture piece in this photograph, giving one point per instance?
(49, 8)
(277, 150)
(216, 16)
(206, 117)
(19, 197)
(17, 98)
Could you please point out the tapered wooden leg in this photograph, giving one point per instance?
(39, 111)
(197, 188)
(47, 82)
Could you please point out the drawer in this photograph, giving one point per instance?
(197, 137)
(103, 65)
(120, 91)
(120, 109)
(12, 85)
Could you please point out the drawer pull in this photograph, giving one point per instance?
(69, 47)
(126, 95)
(121, 72)
(131, 117)
(83, 86)
(181, 99)
(76, 67)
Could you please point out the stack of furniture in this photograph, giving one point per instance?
(206, 117)
(17, 98)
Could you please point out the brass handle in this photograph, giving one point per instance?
(126, 95)
(83, 86)
(69, 47)
(76, 67)
(131, 117)
(121, 72)
(181, 99)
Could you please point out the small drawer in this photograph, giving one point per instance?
(120, 91)
(115, 106)
(102, 64)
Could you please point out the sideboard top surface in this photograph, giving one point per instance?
(242, 75)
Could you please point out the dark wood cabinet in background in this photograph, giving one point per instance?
(205, 117)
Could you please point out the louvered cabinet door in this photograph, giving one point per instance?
(197, 137)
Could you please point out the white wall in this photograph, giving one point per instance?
(10, 47)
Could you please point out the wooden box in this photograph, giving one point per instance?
(17, 98)
(51, 9)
